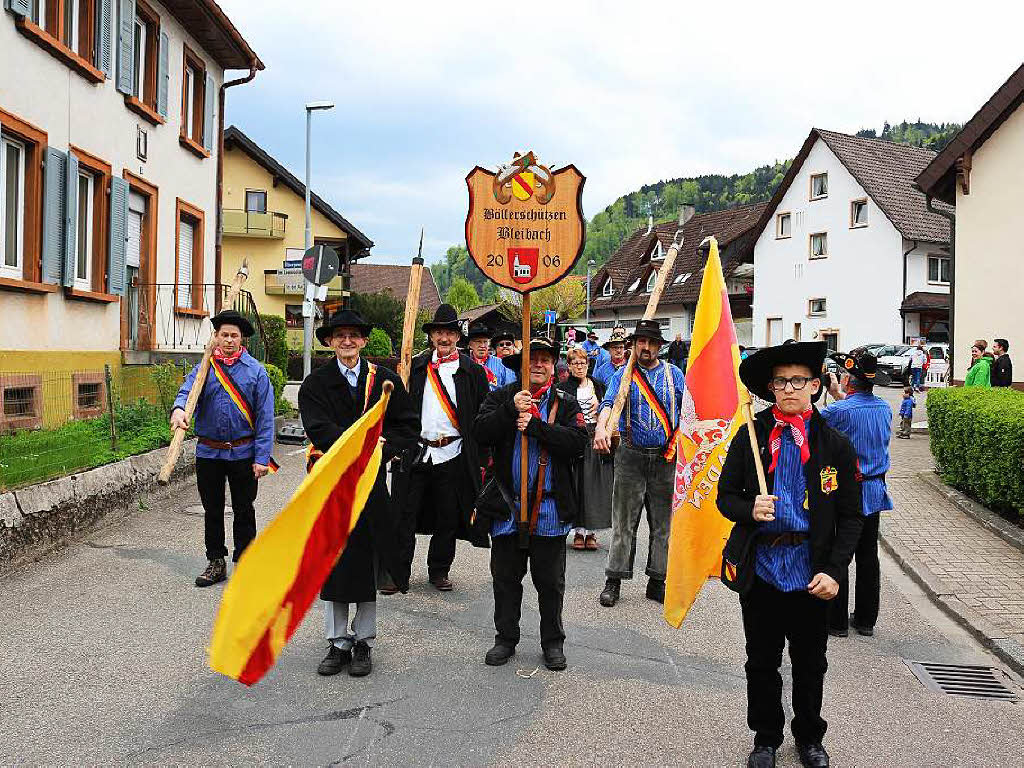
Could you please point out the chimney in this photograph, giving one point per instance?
(650, 223)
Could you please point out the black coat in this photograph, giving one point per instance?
(836, 518)
(1002, 372)
(470, 390)
(328, 408)
(564, 440)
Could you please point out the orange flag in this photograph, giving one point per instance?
(710, 415)
(282, 570)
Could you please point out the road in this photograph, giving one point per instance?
(104, 657)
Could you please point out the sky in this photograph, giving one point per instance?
(628, 92)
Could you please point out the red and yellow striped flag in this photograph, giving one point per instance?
(281, 572)
(710, 417)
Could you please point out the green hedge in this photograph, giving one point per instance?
(277, 381)
(977, 437)
(277, 340)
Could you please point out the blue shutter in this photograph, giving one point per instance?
(163, 75)
(54, 212)
(70, 220)
(104, 33)
(19, 7)
(125, 48)
(208, 115)
(118, 235)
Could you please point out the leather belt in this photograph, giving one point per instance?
(441, 442)
(784, 539)
(221, 446)
(861, 478)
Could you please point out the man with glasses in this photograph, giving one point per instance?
(504, 343)
(790, 546)
(479, 346)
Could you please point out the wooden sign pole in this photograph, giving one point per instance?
(524, 465)
(412, 306)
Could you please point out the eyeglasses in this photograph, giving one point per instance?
(343, 336)
(778, 383)
(578, 362)
(505, 344)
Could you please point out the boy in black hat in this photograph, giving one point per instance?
(866, 420)
(234, 420)
(645, 462)
(479, 345)
(790, 547)
(553, 425)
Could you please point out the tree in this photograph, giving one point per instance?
(277, 340)
(381, 310)
(462, 295)
(567, 297)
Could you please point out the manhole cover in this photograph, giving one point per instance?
(963, 680)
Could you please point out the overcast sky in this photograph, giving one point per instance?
(630, 92)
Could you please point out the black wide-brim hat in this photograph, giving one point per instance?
(478, 330)
(864, 367)
(537, 344)
(757, 369)
(647, 329)
(343, 318)
(233, 317)
(445, 318)
(502, 336)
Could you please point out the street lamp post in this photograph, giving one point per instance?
(590, 265)
(307, 303)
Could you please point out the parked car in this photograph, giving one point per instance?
(894, 362)
(872, 348)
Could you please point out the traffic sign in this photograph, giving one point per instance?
(550, 317)
(320, 264)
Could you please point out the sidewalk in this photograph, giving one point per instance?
(973, 574)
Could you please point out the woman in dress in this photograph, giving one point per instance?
(594, 470)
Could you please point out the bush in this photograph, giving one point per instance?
(277, 381)
(277, 340)
(167, 379)
(977, 438)
(378, 345)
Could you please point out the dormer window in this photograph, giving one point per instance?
(635, 284)
(607, 289)
(682, 278)
(658, 252)
(651, 280)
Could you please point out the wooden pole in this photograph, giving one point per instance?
(174, 451)
(524, 465)
(758, 466)
(412, 307)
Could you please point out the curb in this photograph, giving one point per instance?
(1006, 531)
(1008, 650)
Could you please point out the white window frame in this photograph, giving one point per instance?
(823, 195)
(85, 209)
(779, 218)
(854, 224)
(255, 192)
(682, 278)
(658, 253)
(39, 13)
(75, 10)
(607, 289)
(810, 245)
(652, 279)
(812, 312)
(939, 258)
(139, 54)
(190, 94)
(16, 271)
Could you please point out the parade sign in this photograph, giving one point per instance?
(525, 226)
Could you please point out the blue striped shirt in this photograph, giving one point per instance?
(645, 428)
(866, 420)
(502, 375)
(604, 371)
(548, 523)
(786, 567)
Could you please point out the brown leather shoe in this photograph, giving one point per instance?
(442, 583)
(578, 542)
(591, 542)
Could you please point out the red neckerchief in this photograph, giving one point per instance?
(797, 430)
(442, 360)
(538, 394)
(481, 360)
(227, 359)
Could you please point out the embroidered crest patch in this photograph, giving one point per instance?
(829, 480)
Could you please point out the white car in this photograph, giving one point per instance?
(894, 360)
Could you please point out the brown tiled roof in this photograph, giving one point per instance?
(886, 171)
(215, 33)
(734, 228)
(477, 312)
(376, 278)
(939, 177)
(919, 300)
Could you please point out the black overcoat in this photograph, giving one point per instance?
(470, 390)
(328, 407)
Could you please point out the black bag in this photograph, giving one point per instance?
(739, 559)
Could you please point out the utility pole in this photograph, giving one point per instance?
(308, 304)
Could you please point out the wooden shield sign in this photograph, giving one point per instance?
(525, 224)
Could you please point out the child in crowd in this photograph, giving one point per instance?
(906, 413)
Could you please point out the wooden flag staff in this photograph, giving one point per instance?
(524, 465)
(412, 306)
(748, 414)
(685, 215)
(174, 451)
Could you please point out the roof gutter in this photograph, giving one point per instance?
(903, 314)
(254, 66)
(951, 217)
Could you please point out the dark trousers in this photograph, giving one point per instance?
(210, 476)
(770, 618)
(432, 497)
(546, 557)
(869, 582)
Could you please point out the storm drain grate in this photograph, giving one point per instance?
(963, 680)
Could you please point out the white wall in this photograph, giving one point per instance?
(43, 91)
(678, 316)
(917, 267)
(862, 278)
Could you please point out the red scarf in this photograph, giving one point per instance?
(442, 360)
(797, 430)
(538, 394)
(227, 359)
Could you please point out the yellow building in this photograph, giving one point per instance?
(264, 222)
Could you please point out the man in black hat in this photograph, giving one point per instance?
(234, 420)
(790, 546)
(331, 399)
(479, 345)
(439, 480)
(866, 420)
(553, 425)
(504, 343)
(644, 463)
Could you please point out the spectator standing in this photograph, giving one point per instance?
(677, 353)
(918, 360)
(980, 372)
(1002, 368)
(906, 413)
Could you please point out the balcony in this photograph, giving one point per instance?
(239, 223)
(291, 283)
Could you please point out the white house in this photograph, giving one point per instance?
(847, 251)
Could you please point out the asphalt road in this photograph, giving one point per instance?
(104, 661)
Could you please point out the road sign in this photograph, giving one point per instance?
(320, 264)
(291, 264)
(550, 317)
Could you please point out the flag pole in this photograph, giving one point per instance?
(524, 466)
(412, 305)
(748, 414)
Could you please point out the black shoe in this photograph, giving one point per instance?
(656, 590)
(554, 659)
(441, 583)
(499, 654)
(215, 571)
(361, 664)
(610, 593)
(763, 756)
(335, 659)
(812, 755)
(866, 631)
(839, 632)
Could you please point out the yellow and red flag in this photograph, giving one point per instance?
(710, 415)
(281, 572)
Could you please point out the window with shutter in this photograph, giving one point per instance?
(54, 215)
(22, 148)
(70, 30)
(104, 54)
(189, 269)
(119, 233)
(12, 207)
(186, 242)
(84, 232)
(125, 45)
